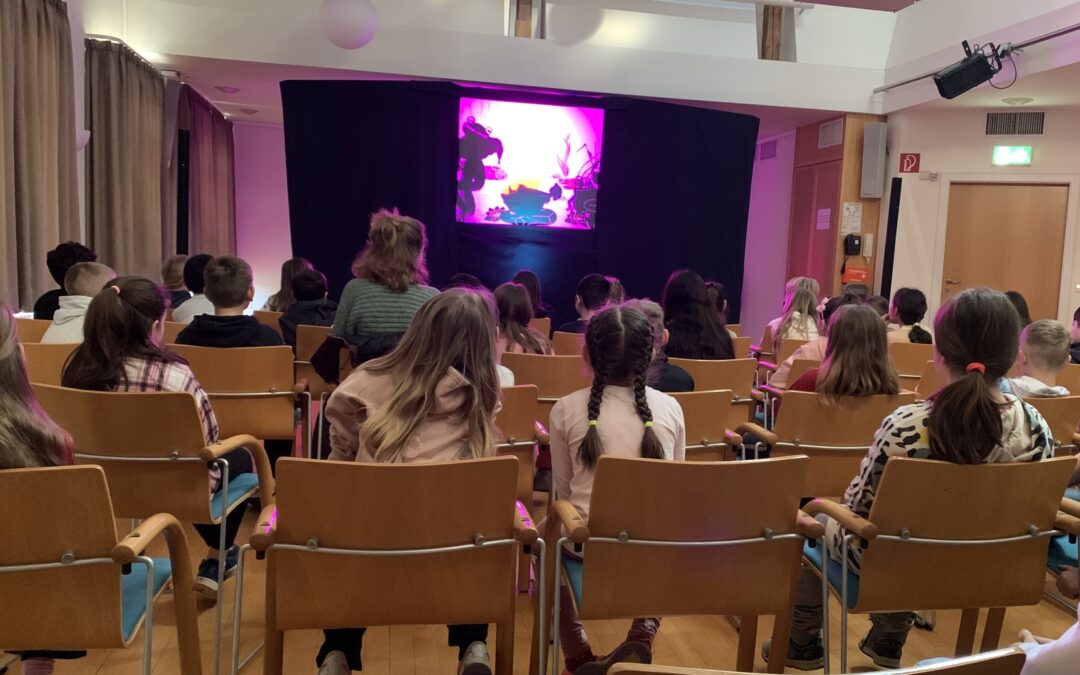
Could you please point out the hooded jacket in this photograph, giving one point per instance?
(307, 313)
(67, 322)
(208, 330)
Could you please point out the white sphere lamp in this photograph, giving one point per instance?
(349, 24)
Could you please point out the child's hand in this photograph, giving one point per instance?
(1068, 582)
(1027, 638)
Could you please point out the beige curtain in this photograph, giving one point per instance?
(38, 185)
(125, 111)
(211, 196)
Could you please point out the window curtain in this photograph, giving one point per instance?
(125, 111)
(38, 185)
(211, 195)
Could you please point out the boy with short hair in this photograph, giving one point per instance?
(59, 261)
(195, 280)
(312, 307)
(228, 286)
(1044, 353)
(82, 282)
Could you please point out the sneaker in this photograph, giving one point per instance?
(805, 657)
(475, 661)
(335, 663)
(630, 651)
(884, 652)
(206, 578)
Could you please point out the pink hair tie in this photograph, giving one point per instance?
(976, 366)
(116, 288)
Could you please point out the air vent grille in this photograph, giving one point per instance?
(830, 134)
(768, 150)
(1014, 123)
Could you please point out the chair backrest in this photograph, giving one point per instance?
(1070, 378)
(1062, 413)
(49, 513)
(249, 387)
(799, 367)
(740, 347)
(268, 318)
(171, 330)
(929, 382)
(706, 415)
(554, 376)
(516, 420)
(447, 504)
(939, 500)
(767, 345)
(134, 436)
(672, 501)
(735, 328)
(909, 358)
(541, 325)
(835, 432)
(308, 341)
(567, 344)
(734, 374)
(788, 347)
(45, 362)
(30, 330)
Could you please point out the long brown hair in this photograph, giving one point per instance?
(515, 313)
(455, 329)
(280, 301)
(119, 326)
(804, 303)
(394, 255)
(620, 345)
(857, 359)
(977, 329)
(28, 437)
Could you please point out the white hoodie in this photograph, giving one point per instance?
(1054, 658)
(67, 324)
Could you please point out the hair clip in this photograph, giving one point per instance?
(648, 425)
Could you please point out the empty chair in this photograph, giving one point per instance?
(518, 436)
(567, 344)
(1062, 413)
(61, 568)
(787, 348)
(268, 318)
(740, 346)
(774, 394)
(541, 325)
(31, 330)
(554, 376)
(706, 414)
(764, 349)
(45, 362)
(170, 331)
(734, 374)
(308, 340)
(909, 359)
(735, 328)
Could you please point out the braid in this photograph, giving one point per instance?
(590, 448)
(650, 444)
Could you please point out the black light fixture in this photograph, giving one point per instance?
(979, 65)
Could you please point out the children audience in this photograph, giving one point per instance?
(1044, 353)
(172, 277)
(690, 317)
(284, 298)
(515, 313)
(880, 304)
(83, 281)
(194, 279)
(594, 292)
(311, 307)
(793, 284)
(663, 375)
(122, 352)
(906, 312)
(59, 261)
(856, 360)
(618, 416)
(800, 319)
(432, 399)
(531, 282)
(229, 287)
(813, 350)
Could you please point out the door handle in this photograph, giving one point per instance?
(951, 282)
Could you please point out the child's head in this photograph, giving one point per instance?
(87, 278)
(172, 272)
(616, 292)
(61, 258)
(655, 314)
(290, 268)
(1021, 306)
(465, 280)
(394, 255)
(308, 285)
(879, 304)
(514, 305)
(1044, 347)
(455, 329)
(718, 298)
(531, 282)
(857, 359)
(832, 306)
(593, 293)
(800, 309)
(229, 284)
(685, 293)
(795, 283)
(908, 309)
(619, 348)
(978, 332)
(860, 291)
(194, 272)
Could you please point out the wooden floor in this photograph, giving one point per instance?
(698, 641)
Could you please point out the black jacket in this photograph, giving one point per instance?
(207, 330)
(575, 326)
(1074, 352)
(306, 313)
(47, 304)
(670, 378)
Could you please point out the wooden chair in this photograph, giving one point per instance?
(787, 348)
(172, 331)
(61, 568)
(1063, 549)
(1070, 378)
(45, 362)
(774, 394)
(990, 551)
(735, 328)
(1001, 662)
(308, 340)
(707, 414)
(554, 376)
(764, 349)
(252, 390)
(1062, 413)
(645, 515)
(910, 359)
(929, 382)
(268, 318)
(567, 344)
(30, 330)
(520, 434)
(445, 555)
(158, 465)
(741, 347)
(734, 374)
(835, 432)
(541, 325)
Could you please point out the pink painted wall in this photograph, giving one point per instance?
(262, 204)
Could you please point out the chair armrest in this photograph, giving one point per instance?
(755, 349)
(571, 520)
(768, 365)
(757, 395)
(265, 531)
(1075, 438)
(775, 392)
(732, 438)
(258, 453)
(1069, 507)
(524, 531)
(542, 436)
(134, 544)
(300, 386)
(808, 526)
(845, 516)
(757, 430)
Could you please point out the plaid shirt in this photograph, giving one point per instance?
(158, 375)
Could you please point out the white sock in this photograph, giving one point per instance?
(37, 667)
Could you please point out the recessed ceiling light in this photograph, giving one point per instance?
(249, 111)
(228, 90)
(1017, 100)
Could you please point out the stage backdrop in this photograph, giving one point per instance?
(675, 188)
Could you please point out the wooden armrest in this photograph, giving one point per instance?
(568, 514)
(757, 430)
(265, 531)
(1075, 438)
(732, 438)
(767, 365)
(300, 386)
(1067, 523)
(757, 395)
(808, 526)
(775, 392)
(852, 523)
(542, 436)
(258, 453)
(1070, 507)
(755, 349)
(524, 531)
(133, 545)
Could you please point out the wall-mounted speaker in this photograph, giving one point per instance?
(873, 160)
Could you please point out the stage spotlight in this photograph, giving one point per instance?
(978, 66)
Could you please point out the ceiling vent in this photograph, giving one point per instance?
(768, 150)
(830, 134)
(1014, 123)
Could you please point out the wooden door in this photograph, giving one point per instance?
(1009, 237)
(812, 237)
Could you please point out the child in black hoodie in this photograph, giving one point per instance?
(312, 307)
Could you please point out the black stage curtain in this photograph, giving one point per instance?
(674, 188)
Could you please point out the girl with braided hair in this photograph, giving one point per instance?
(618, 416)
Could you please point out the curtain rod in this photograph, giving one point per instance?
(116, 40)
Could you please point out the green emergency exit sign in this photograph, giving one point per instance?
(1012, 155)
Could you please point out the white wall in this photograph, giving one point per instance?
(766, 236)
(954, 145)
(263, 238)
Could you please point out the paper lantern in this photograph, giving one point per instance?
(572, 24)
(349, 24)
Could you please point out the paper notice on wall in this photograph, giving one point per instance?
(823, 218)
(851, 219)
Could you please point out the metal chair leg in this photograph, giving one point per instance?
(148, 620)
(219, 610)
(236, 664)
(825, 603)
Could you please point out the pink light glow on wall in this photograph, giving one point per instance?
(528, 164)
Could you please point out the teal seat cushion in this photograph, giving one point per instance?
(240, 488)
(574, 570)
(834, 573)
(1062, 552)
(133, 592)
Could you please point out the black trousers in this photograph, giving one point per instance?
(239, 463)
(350, 640)
(276, 449)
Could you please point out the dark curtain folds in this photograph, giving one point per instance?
(211, 187)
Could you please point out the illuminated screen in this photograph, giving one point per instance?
(528, 165)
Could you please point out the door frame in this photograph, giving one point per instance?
(1069, 285)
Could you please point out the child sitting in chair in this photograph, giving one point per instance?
(1044, 353)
